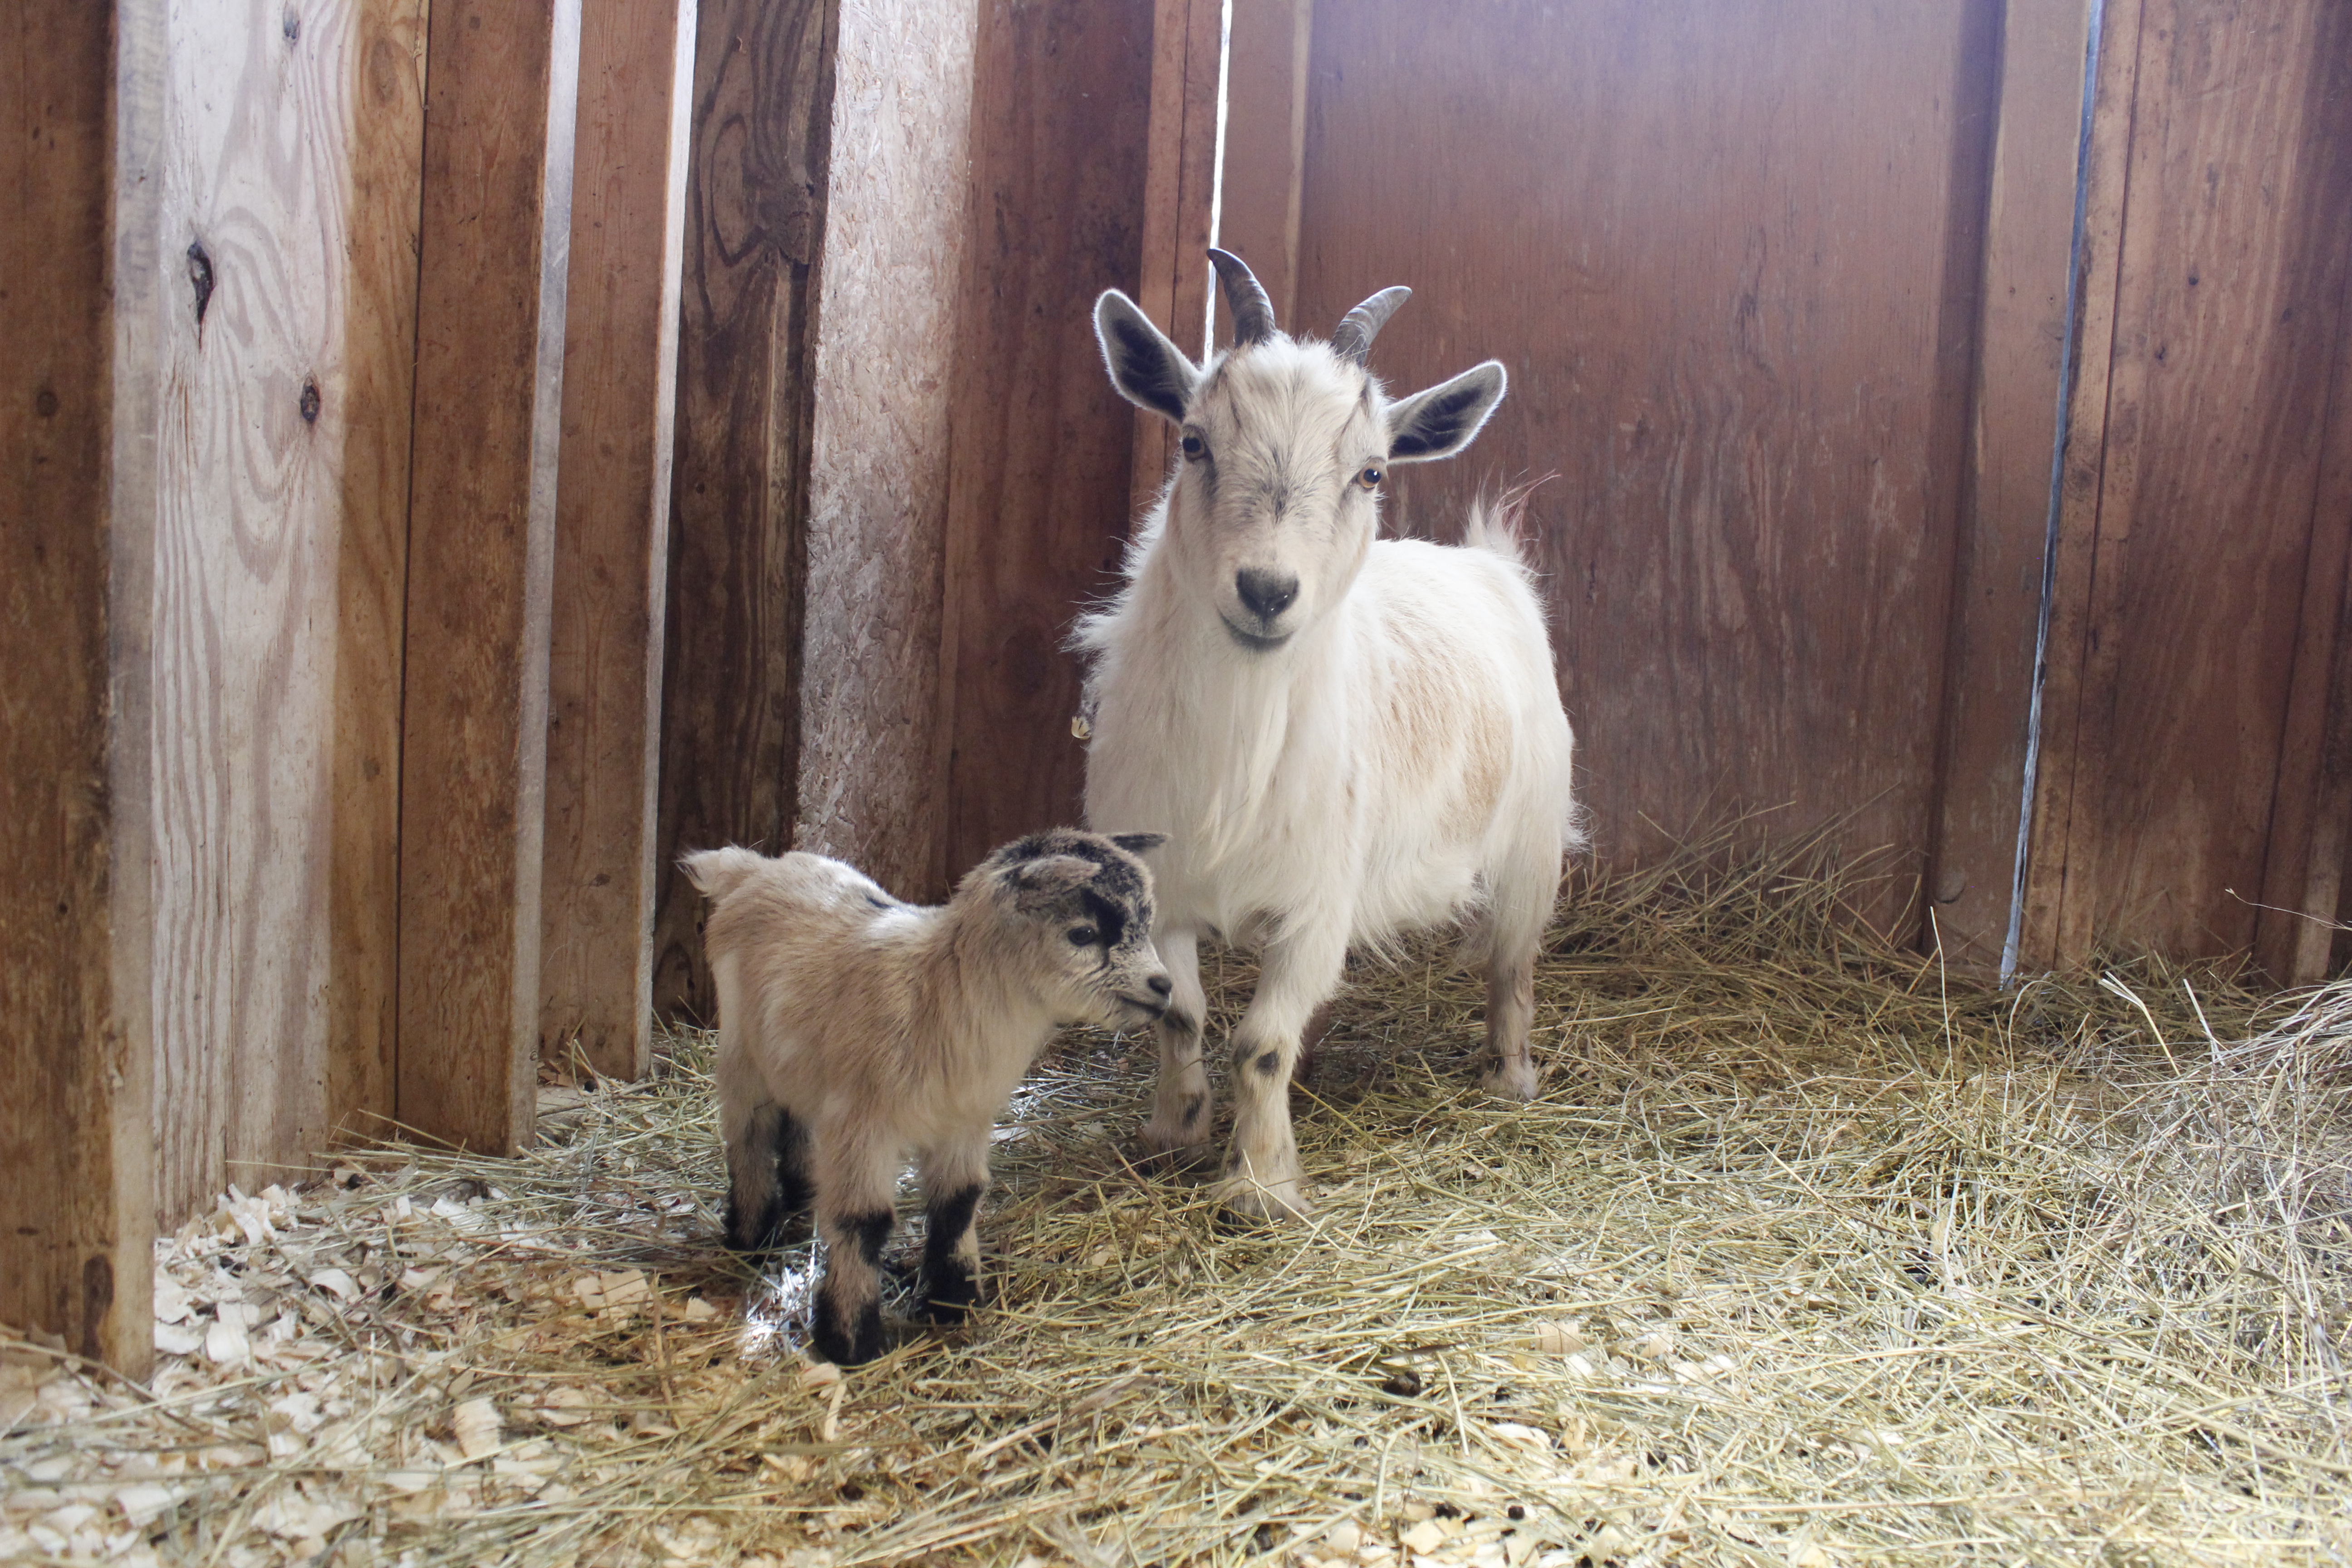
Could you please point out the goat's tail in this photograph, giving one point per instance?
(1494, 525)
(719, 872)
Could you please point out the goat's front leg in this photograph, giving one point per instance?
(1181, 1103)
(1300, 969)
(854, 1183)
(955, 1174)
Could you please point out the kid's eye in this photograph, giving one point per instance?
(1370, 477)
(1082, 936)
(1195, 447)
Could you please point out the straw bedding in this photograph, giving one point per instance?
(1808, 1255)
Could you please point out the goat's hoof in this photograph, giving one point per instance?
(852, 1343)
(1262, 1203)
(1511, 1080)
(947, 1298)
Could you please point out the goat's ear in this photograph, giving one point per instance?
(1442, 420)
(715, 873)
(1036, 883)
(1138, 843)
(1149, 370)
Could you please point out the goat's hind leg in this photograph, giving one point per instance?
(1181, 1102)
(955, 1174)
(767, 1157)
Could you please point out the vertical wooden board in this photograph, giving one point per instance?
(895, 216)
(612, 532)
(80, 103)
(2227, 314)
(2022, 337)
(1266, 142)
(385, 134)
(731, 674)
(498, 123)
(1715, 246)
(1179, 204)
(1037, 505)
(259, 375)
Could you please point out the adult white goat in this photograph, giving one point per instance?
(1346, 737)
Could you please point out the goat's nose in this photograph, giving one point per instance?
(1266, 594)
(1160, 984)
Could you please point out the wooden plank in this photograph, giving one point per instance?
(896, 213)
(1266, 142)
(81, 96)
(611, 533)
(1039, 440)
(1179, 204)
(498, 122)
(1721, 263)
(762, 113)
(2227, 318)
(300, 345)
(385, 135)
(2309, 834)
(2021, 334)
(2106, 179)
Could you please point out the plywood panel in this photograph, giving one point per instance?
(497, 219)
(2189, 549)
(1729, 255)
(755, 210)
(81, 96)
(1038, 502)
(896, 212)
(272, 358)
(2022, 336)
(612, 532)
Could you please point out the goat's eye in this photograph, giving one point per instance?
(1370, 477)
(1082, 936)
(1195, 447)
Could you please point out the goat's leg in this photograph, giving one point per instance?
(955, 1174)
(1525, 891)
(767, 1154)
(855, 1181)
(1300, 969)
(1181, 1104)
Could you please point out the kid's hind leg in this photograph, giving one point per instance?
(854, 1185)
(955, 1174)
(767, 1151)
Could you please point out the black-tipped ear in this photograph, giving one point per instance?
(1442, 420)
(1138, 843)
(1149, 370)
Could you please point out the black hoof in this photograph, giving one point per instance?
(949, 1296)
(851, 1344)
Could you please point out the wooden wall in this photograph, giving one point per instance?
(2194, 762)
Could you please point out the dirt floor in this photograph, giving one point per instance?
(1809, 1254)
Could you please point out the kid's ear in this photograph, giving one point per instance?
(1138, 843)
(1039, 882)
(1149, 370)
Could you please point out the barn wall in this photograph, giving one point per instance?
(2206, 509)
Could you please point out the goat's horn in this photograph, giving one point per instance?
(1360, 326)
(1252, 312)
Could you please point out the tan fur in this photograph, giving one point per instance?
(856, 1030)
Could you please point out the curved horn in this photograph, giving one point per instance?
(1252, 312)
(1358, 326)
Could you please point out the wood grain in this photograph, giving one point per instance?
(2021, 333)
(264, 390)
(1723, 263)
(896, 213)
(2185, 559)
(1266, 142)
(1037, 506)
(499, 124)
(1180, 183)
(611, 533)
(762, 113)
(82, 95)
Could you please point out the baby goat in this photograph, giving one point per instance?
(854, 1029)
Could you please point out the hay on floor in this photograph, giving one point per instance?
(1809, 1254)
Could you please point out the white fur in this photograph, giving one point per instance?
(1397, 757)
